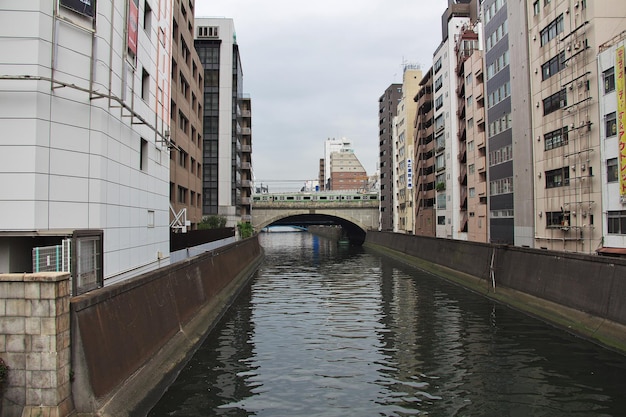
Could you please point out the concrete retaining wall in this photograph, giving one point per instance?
(130, 340)
(593, 286)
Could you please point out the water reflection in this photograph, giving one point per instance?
(326, 330)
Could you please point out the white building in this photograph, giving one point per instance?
(446, 125)
(84, 110)
(612, 84)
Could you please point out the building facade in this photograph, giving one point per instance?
(564, 43)
(347, 172)
(224, 193)
(446, 103)
(403, 148)
(387, 109)
(86, 110)
(424, 157)
(186, 122)
(612, 127)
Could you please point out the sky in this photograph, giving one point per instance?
(315, 70)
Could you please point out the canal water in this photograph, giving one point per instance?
(329, 330)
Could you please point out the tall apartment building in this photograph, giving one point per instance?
(84, 110)
(447, 165)
(387, 109)
(564, 43)
(424, 157)
(186, 111)
(403, 148)
(471, 134)
(225, 175)
(612, 101)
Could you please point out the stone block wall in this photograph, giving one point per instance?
(35, 344)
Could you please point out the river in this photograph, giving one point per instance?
(331, 330)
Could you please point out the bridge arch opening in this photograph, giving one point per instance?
(354, 232)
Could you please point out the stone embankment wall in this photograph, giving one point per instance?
(130, 340)
(35, 344)
(582, 293)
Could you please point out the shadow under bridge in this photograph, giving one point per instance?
(356, 213)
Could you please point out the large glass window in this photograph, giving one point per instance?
(555, 139)
(553, 66)
(554, 102)
(557, 177)
(552, 30)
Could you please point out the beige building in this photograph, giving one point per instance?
(403, 149)
(186, 122)
(346, 171)
(471, 136)
(564, 42)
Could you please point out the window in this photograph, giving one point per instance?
(471, 168)
(611, 170)
(147, 18)
(500, 125)
(468, 79)
(554, 102)
(617, 222)
(441, 201)
(440, 162)
(552, 30)
(439, 102)
(536, 7)
(182, 158)
(501, 186)
(470, 100)
(610, 124)
(557, 177)
(555, 139)
(441, 220)
(546, 2)
(553, 66)
(437, 66)
(557, 219)
(439, 123)
(497, 65)
(143, 155)
(472, 192)
(609, 80)
(182, 195)
(145, 85)
(438, 83)
(501, 155)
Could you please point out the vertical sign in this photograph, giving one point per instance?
(133, 25)
(409, 174)
(621, 119)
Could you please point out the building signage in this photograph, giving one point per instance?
(84, 7)
(133, 25)
(409, 174)
(621, 118)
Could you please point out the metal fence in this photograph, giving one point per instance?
(53, 258)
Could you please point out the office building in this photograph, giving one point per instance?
(226, 163)
(85, 149)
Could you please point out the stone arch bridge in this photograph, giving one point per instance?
(355, 212)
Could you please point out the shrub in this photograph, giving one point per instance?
(212, 222)
(245, 229)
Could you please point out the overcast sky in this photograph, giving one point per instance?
(315, 70)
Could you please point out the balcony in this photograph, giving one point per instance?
(463, 175)
(462, 152)
(479, 140)
(246, 148)
(246, 131)
(480, 165)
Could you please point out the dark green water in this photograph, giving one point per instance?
(325, 330)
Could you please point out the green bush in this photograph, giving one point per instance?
(245, 229)
(212, 222)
